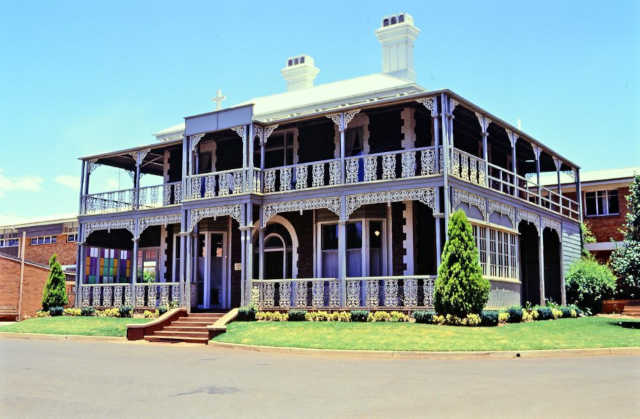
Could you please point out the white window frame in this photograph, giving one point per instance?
(605, 212)
(365, 244)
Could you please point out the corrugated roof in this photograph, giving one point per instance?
(586, 176)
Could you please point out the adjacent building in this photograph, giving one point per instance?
(327, 196)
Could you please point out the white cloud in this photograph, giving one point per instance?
(72, 182)
(20, 183)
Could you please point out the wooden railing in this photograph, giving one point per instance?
(151, 294)
(384, 292)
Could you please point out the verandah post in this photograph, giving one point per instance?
(249, 259)
(541, 263)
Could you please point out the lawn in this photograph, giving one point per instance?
(588, 332)
(67, 325)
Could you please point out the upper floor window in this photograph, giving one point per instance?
(9, 240)
(602, 203)
(279, 150)
(43, 240)
(72, 237)
(354, 141)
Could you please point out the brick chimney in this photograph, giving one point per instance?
(396, 35)
(300, 72)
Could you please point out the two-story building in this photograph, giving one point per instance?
(327, 196)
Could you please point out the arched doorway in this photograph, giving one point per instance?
(275, 257)
(529, 263)
(552, 280)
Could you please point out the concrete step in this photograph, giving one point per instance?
(186, 323)
(181, 333)
(175, 339)
(186, 328)
(211, 319)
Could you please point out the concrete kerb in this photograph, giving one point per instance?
(528, 354)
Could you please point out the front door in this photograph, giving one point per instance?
(212, 271)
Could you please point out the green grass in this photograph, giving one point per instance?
(588, 332)
(66, 325)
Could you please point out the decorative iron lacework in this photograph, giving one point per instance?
(484, 122)
(424, 195)
(269, 210)
(125, 224)
(91, 166)
(241, 131)
(529, 217)
(504, 209)
(429, 103)
(264, 133)
(550, 223)
(159, 220)
(195, 139)
(343, 119)
(471, 199)
(199, 213)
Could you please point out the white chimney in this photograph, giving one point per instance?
(396, 35)
(299, 72)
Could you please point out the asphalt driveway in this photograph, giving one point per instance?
(43, 378)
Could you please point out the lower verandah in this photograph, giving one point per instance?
(391, 260)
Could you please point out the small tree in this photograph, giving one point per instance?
(588, 283)
(460, 288)
(55, 292)
(587, 237)
(625, 260)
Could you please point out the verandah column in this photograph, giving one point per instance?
(249, 246)
(536, 152)
(134, 269)
(342, 251)
(261, 245)
(541, 263)
(243, 253)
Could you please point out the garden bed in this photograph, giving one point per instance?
(586, 332)
(74, 325)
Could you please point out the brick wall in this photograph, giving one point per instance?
(41, 253)
(34, 279)
(606, 227)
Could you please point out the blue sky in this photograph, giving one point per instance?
(78, 78)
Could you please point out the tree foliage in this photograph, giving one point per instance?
(55, 292)
(588, 283)
(625, 260)
(587, 237)
(460, 288)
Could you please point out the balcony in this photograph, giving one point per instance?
(156, 196)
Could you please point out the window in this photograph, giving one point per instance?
(502, 259)
(35, 241)
(365, 248)
(72, 237)
(9, 240)
(279, 150)
(602, 203)
(105, 266)
(354, 145)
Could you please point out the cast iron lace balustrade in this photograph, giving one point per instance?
(296, 293)
(224, 183)
(108, 202)
(400, 164)
(150, 294)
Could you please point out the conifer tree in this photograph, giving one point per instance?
(625, 260)
(460, 288)
(55, 292)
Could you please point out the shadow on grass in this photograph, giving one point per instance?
(627, 324)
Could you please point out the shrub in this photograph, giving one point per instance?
(556, 313)
(125, 311)
(460, 288)
(588, 283)
(41, 313)
(272, 316)
(247, 313)
(318, 316)
(472, 319)
(566, 312)
(515, 314)
(399, 317)
(87, 311)
(108, 312)
(544, 313)
(344, 317)
(527, 315)
(359, 315)
(55, 291)
(379, 316)
(149, 314)
(625, 260)
(424, 316)
(72, 312)
(162, 309)
(297, 315)
(503, 317)
(489, 317)
(56, 310)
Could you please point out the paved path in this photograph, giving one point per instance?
(41, 378)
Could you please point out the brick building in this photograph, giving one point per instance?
(604, 206)
(41, 240)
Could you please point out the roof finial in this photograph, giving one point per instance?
(218, 99)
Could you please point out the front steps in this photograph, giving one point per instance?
(632, 309)
(191, 328)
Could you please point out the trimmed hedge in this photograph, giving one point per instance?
(126, 311)
(515, 314)
(87, 311)
(489, 317)
(359, 315)
(56, 310)
(297, 315)
(544, 313)
(247, 314)
(424, 316)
